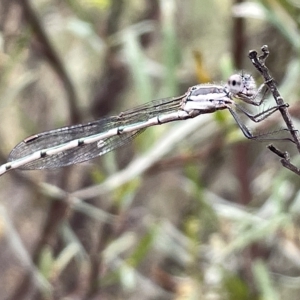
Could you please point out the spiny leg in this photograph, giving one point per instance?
(249, 135)
(258, 98)
(262, 115)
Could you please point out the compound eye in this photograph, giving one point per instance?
(235, 83)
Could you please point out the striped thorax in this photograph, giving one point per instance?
(206, 98)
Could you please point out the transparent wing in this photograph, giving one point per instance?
(86, 152)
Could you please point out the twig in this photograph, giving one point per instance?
(241, 150)
(42, 43)
(285, 159)
(259, 64)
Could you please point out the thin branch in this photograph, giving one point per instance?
(41, 41)
(285, 159)
(259, 64)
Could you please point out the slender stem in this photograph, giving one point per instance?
(259, 64)
(285, 159)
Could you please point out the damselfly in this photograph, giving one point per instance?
(70, 145)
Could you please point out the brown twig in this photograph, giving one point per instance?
(241, 150)
(259, 64)
(285, 159)
(42, 44)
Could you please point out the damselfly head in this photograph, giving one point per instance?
(242, 84)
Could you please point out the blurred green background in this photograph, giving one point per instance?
(188, 210)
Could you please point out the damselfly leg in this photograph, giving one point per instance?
(258, 118)
(261, 115)
(243, 87)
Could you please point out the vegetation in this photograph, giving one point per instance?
(188, 210)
